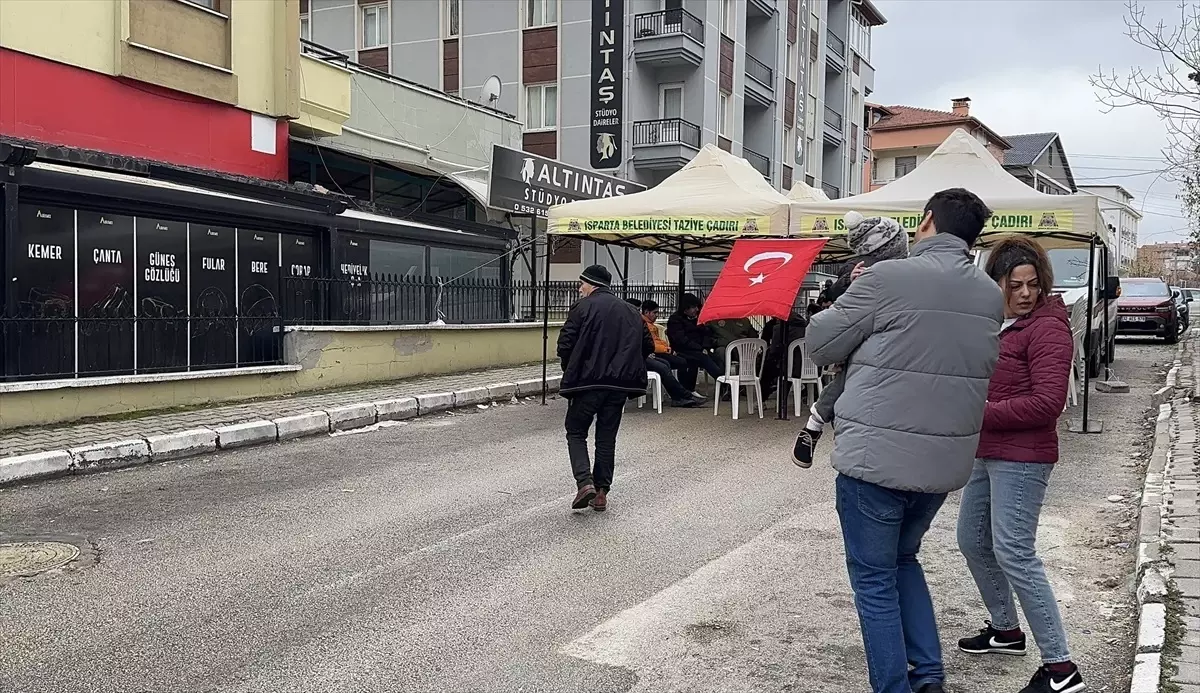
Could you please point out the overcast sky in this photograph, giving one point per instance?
(1025, 65)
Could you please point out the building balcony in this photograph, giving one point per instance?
(324, 93)
(760, 87)
(760, 9)
(664, 145)
(831, 191)
(760, 163)
(834, 127)
(668, 38)
(835, 53)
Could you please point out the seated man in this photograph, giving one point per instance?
(663, 361)
(692, 342)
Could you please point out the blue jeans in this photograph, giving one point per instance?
(997, 533)
(882, 529)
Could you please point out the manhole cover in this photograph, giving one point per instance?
(26, 558)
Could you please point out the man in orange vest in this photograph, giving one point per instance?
(663, 361)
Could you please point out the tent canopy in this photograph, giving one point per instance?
(962, 162)
(803, 192)
(699, 210)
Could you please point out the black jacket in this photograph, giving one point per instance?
(603, 346)
(687, 336)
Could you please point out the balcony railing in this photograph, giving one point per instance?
(668, 23)
(831, 191)
(760, 163)
(834, 44)
(760, 71)
(833, 119)
(666, 131)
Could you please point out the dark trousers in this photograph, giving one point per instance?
(659, 364)
(605, 408)
(692, 363)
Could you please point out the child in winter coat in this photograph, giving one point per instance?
(873, 240)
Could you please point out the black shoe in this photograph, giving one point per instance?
(802, 451)
(992, 641)
(1046, 682)
(932, 688)
(685, 403)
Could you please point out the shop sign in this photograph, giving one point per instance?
(212, 253)
(607, 82)
(1009, 220)
(524, 183)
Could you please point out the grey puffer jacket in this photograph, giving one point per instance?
(920, 337)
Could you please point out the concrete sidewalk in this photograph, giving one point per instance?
(178, 433)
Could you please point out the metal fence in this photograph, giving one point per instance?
(42, 344)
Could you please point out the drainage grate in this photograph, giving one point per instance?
(28, 558)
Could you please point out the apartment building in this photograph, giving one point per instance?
(904, 136)
(778, 82)
(1116, 206)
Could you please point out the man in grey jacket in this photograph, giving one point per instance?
(920, 338)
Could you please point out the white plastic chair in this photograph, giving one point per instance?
(810, 375)
(654, 388)
(751, 354)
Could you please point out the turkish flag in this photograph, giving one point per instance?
(761, 277)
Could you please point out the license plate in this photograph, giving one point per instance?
(1134, 318)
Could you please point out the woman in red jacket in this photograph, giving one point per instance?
(998, 519)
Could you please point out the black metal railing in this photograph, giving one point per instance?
(760, 163)
(833, 192)
(834, 44)
(666, 131)
(43, 344)
(760, 71)
(833, 119)
(667, 23)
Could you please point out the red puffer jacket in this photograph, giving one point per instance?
(1028, 391)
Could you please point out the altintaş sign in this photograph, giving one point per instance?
(608, 71)
(524, 183)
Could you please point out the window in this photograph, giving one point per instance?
(789, 145)
(791, 61)
(207, 4)
(305, 28)
(541, 107)
(541, 12)
(670, 101)
(727, 17)
(375, 27)
(724, 116)
(450, 20)
(905, 165)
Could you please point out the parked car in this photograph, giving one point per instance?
(1183, 300)
(1148, 308)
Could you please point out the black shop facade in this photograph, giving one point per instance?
(114, 274)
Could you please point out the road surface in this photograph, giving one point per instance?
(441, 556)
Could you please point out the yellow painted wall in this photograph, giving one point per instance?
(324, 97)
(329, 360)
(82, 33)
(265, 43)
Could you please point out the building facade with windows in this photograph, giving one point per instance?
(777, 82)
(1040, 161)
(1116, 206)
(904, 136)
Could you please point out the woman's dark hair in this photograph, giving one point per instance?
(1015, 251)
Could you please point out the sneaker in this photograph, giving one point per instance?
(802, 451)
(600, 502)
(584, 497)
(992, 641)
(1045, 681)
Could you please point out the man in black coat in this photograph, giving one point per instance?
(603, 346)
(692, 342)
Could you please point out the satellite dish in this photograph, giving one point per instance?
(489, 93)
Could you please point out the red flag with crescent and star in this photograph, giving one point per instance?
(761, 277)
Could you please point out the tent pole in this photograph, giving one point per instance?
(1083, 425)
(780, 395)
(682, 276)
(546, 319)
(625, 275)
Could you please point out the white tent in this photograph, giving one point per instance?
(803, 192)
(699, 210)
(962, 162)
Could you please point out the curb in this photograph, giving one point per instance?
(1153, 571)
(203, 440)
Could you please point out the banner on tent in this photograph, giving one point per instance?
(699, 225)
(1001, 221)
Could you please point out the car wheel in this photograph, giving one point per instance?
(1094, 366)
(1172, 336)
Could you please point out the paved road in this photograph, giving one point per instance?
(441, 556)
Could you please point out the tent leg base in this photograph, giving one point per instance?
(1093, 426)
